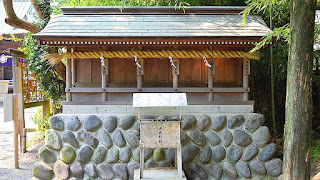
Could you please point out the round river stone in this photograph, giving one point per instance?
(68, 137)
(110, 123)
(235, 121)
(73, 123)
(203, 122)
(91, 123)
(99, 155)
(56, 123)
(118, 138)
(67, 154)
(241, 138)
(105, 138)
(219, 153)
(189, 153)
(205, 155)
(46, 155)
(213, 138)
(127, 122)
(52, 139)
(219, 122)
(197, 137)
(84, 154)
(234, 153)
(188, 122)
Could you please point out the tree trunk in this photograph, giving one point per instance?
(297, 133)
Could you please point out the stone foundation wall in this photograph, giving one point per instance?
(215, 146)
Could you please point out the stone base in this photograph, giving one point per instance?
(106, 146)
(129, 110)
(160, 174)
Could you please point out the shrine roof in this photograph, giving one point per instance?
(150, 22)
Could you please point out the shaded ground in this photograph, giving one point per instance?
(26, 160)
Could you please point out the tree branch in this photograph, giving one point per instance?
(16, 22)
(37, 8)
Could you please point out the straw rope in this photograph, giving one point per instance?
(54, 58)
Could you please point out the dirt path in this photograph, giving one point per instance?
(26, 160)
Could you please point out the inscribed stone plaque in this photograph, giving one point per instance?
(160, 134)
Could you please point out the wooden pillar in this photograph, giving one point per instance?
(14, 73)
(210, 80)
(21, 121)
(74, 72)
(175, 73)
(245, 79)
(68, 79)
(139, 74)
(104, 79)
(2, 73)
(15, 132)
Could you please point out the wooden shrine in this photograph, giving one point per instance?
(112, 53)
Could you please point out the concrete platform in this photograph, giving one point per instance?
(159, 174)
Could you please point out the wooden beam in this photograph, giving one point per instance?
(161, 89)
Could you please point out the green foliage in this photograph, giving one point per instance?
(315, 147)
(50, 82)
(178, 3)
(41, 122)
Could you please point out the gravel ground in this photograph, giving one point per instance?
(26, 160)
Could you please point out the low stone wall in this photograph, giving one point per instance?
(215, 146)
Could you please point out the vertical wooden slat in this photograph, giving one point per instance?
(175, 73)
(246, 72)
(139, 74)
(104, 79)
(68, 79)
(20, 109)
(74, 72)
(210, 80)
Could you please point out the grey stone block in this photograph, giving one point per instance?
(52, 139)
(133, 138)
(214, 170)
(105, 138)
(198, 171)
(267, 152)
(188, 122)
(253, 122)
(241, 138)
(84, 155)
(110, 123)
(91, 123)
(235, 121)
(274, 167)
(250, 152)
(118, 138)
(243, 169)
(204, 122)
(68, 137)
(77, 170)
(229, 170)
(125, 154)
(197, 137)
(56, 123)
(219, 122)
(205, 155)
(189, 153)
(105, 171)
(226, 138)
(213, 138)
(131, 167)
(127, 122)
(257, 168)
(261, 136)
(46, 155)
(121, 171)
(113, 155)
(234, 153)
(73, 123)
(219, 153)
(91, 170)
(99, 155)
(87, 138)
